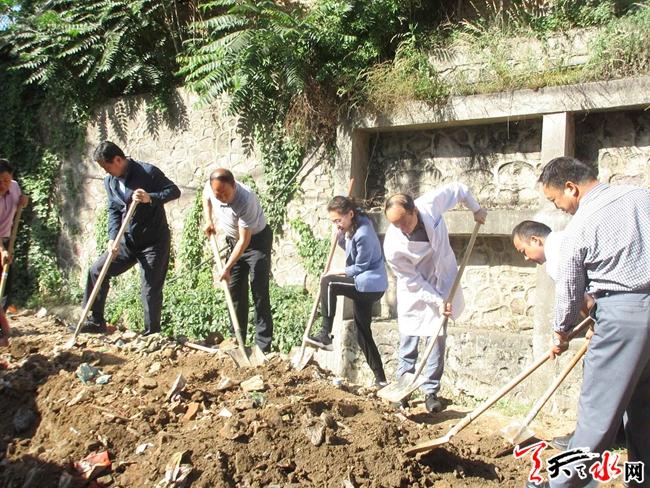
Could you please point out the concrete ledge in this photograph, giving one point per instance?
(518, 104)
(500, 222)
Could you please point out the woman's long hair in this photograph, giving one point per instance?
(343, 205)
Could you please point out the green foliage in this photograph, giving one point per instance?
(410, 76)
(44, 227)
(97, 49)
(101, 230)
(558, 15)
(312, 250)
(623, 47)
(286, 65)
(290, 306)
(281, 157)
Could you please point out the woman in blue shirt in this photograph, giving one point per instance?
(363, 280)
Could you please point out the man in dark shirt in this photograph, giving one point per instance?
(146, 239)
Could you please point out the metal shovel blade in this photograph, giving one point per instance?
(516, 432)
(239, 357)
(246, 357)
(407, 384)
(255, 355)
(69, 344)
(428, 445)
(301, 357)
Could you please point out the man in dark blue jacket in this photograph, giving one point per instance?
(146, 239)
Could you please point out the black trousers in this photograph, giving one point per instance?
(154, 261)
(5, 298)
(256, 263)
(333, 286)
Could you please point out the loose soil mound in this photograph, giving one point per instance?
(300, 430)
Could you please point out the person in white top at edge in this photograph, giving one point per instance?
(538, 243)
(418, 251)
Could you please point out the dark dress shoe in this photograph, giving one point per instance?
(90, 327)
(432, 404)
(561, 443)
(322, 340)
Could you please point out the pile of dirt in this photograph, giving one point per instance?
(289, 429)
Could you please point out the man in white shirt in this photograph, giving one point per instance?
(237, 211)
(417, 249)
(538, 243)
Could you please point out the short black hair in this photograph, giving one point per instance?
(560, 170)
(529, 228)
(223, 175)
(5, 166)
(106, 151)
(402, 200)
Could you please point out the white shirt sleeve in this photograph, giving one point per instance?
(447, 197)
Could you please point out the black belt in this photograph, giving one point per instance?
(608, 293)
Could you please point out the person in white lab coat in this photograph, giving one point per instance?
(417, 249)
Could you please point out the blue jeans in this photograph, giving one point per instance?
(408, 355)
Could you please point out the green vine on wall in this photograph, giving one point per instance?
(312, 250)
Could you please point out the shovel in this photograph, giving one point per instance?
(473, 415)
(12, 242)
(409, 382)
(100, 279)
(242, 356)
(302, 357)
(517, 432)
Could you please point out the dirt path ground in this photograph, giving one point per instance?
(299, 430)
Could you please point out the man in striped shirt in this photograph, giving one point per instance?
(605, 252)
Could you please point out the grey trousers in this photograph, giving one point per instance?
(616, 381)
(408, 355)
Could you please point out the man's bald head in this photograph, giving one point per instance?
(222, 182)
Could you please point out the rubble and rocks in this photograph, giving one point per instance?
(170, 416)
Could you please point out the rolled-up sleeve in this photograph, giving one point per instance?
(447, 197)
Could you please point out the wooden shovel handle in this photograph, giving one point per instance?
(450, 298)
(107, 264)
(556, 383)
(226, 291)
(474, 414)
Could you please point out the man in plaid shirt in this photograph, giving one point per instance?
(606, 253)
